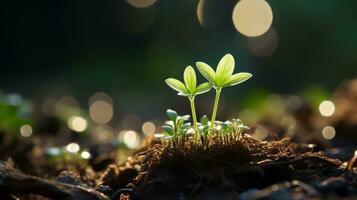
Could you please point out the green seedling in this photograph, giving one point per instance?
(189, 90)
(203, 129)
(176, 128)
(222, 77)
(229, 131)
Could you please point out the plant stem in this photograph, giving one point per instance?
(194, 118)
(215, 107)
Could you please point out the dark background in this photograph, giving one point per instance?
(78, 48)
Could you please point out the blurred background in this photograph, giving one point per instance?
(98, 67)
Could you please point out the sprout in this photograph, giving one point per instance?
(176, 128)
(223, 77)
(208, 131)
(190, 90)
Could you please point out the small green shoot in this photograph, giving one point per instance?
(207, 131)
(229, 131)
(189, 90)
(176, 128)
(222, 77)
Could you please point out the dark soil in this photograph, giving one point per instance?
(249, 169)
(224, 172)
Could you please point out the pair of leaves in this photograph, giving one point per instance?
(176, 125)
(223, 76)
(189, 88)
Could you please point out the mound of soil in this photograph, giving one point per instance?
(225, 172)
(248, 169)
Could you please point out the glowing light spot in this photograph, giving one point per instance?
(200, 12)
(101, 111)
(252, 18)
(76, 123)
(327, 108)
(85, 155)
(141, 3)
(26, 130)
(159, 135)
(148, 128)
(328, 132)
(131, 139)
(356, 153)
(72, 147)
(53, 151)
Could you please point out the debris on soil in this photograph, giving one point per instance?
(13, 182)
(247, 169)
(227, 171)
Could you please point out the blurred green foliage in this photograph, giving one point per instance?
(13, 113)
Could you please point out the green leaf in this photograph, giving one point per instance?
(168, 130)
(189, 77)
(238, 78)
(206, 71)
(176, 85)
(225, 69)
(204, 87)
(186, 126)
(171, 114)
(203, 130)
(185, 117)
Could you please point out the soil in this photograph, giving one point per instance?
(248, 169)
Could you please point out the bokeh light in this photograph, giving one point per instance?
(101, 111)
(200, 12)
(85, 155)
(252, 18)
(328, 132)
(26, 130)
(148, 128)
(159, 135)
(77, 123)
(73, 147)
(131, 139)
(141, 3)
(327, 108)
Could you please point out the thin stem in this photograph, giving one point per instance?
(215, 107)
(194, 118)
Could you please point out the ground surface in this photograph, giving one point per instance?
(249, 169)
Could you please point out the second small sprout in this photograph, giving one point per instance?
(221, 78)
(190, 90)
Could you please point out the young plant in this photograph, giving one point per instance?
(222, 77)
(203, 129)
(230, 130)
(189, 90)
(176, 128)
